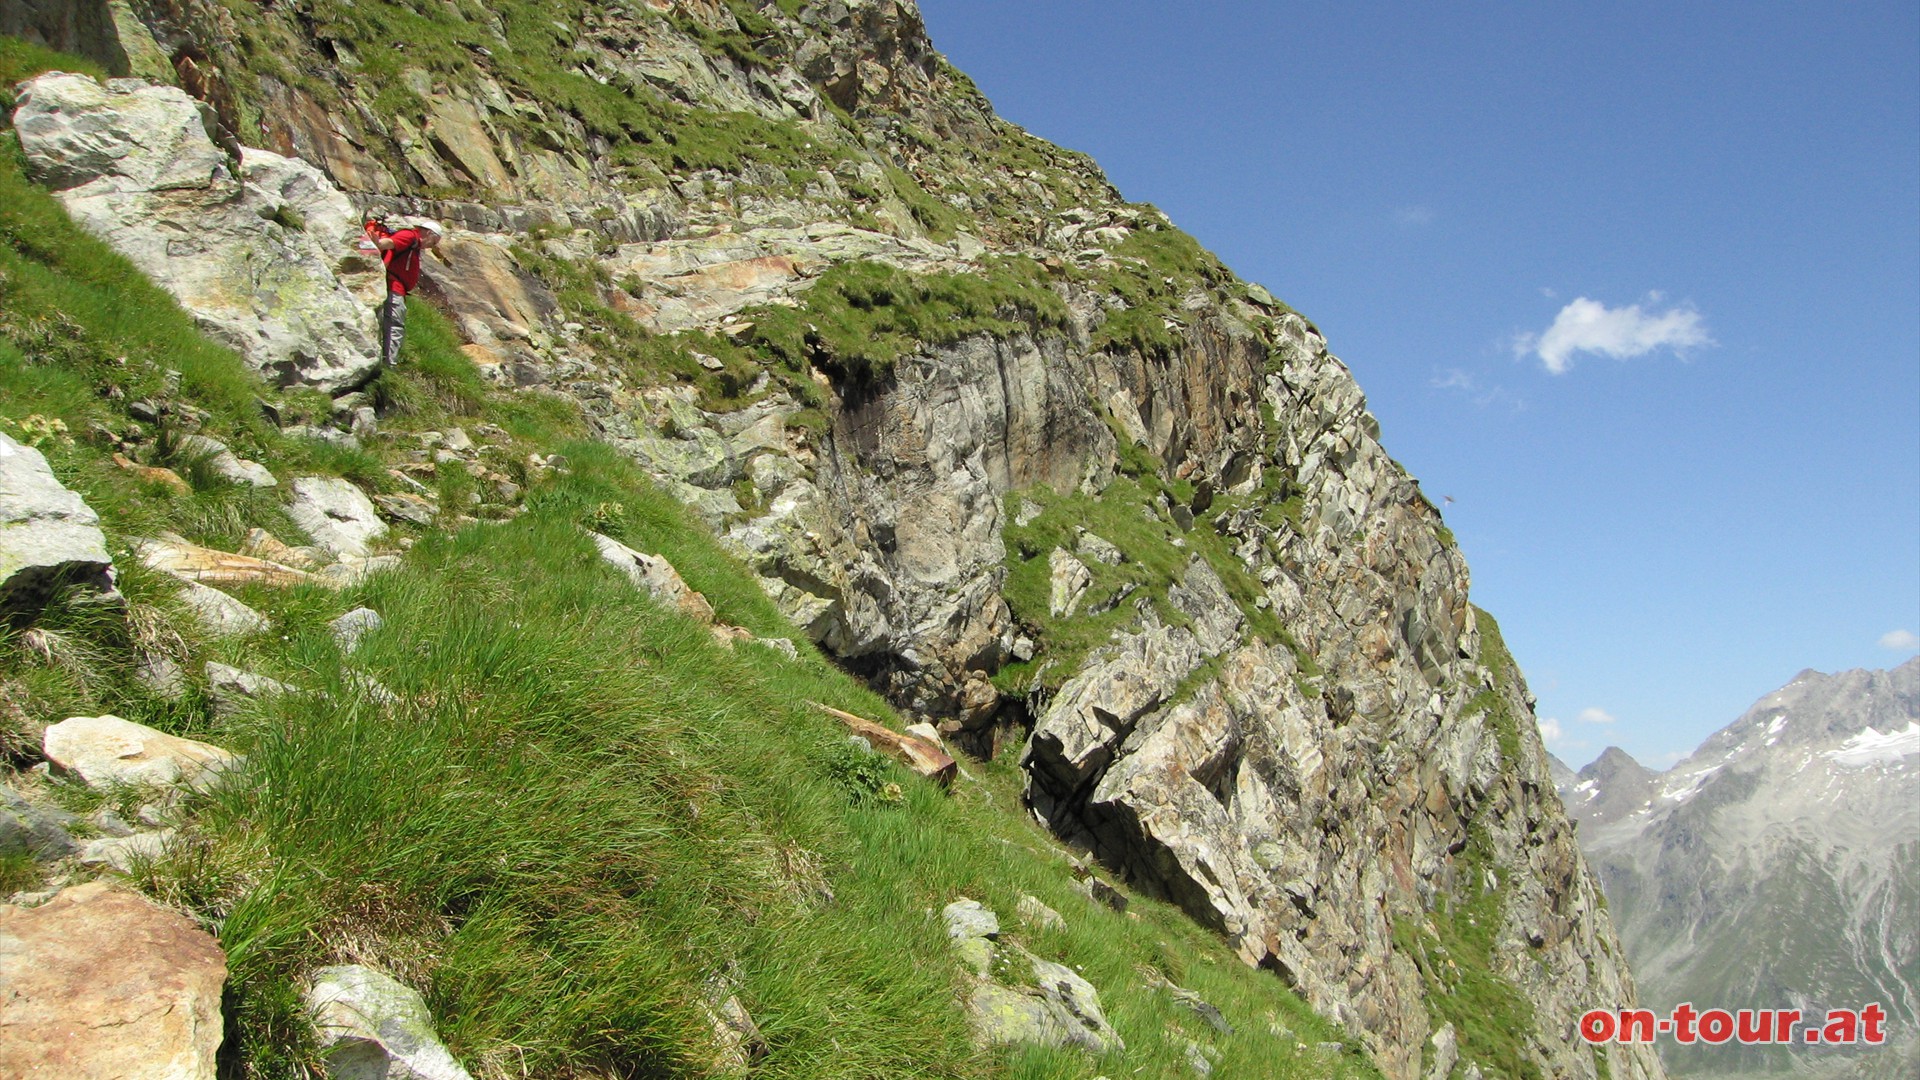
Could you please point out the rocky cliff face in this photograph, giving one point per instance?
(1018, 451)
(1775, 866)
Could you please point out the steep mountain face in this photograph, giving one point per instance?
(1014, 449)
(1777, 865)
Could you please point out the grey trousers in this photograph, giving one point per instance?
(393, 328)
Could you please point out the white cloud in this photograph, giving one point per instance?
(1590, 326)
(1413, 215)
(1594, 716)
(1900, 640)
(1550, 731)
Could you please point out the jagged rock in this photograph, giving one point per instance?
(338, 515)
(106, 750)
(49, 536)
(920, 755)
(103, 984)
(408, 507)
(1036, 913)
(1069, 583)
(1200, 1058)
(1444, 1054)
(207, 566)
(971, 928)
(232, 689)
(28, 829)
(1061, 1009)
(349, 572)
(162, 675)
(1100, 892)
(348, 629)
(220, 614)
(251, 257)
(110, 823)
(1097, 549)
(1191, 1001)
(1203, 597)
(225, 463)
(729, 635)
(127, 854)
(261, 544)
(154, 474)
(1096, 710)
(657, 576)
(738, 1042)
(330, 436)
(369, 1026)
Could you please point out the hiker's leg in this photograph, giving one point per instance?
(393, 328)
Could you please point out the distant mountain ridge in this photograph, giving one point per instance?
(1776, 866)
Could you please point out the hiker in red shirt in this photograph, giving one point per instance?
(401, 249)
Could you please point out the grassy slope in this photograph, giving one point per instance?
(581, 808)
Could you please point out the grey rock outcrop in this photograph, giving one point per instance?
(49, 536)
(104, 984)
(971, 928)
(249, 247)
(370, 1026)
(336, 514)
(1057, 1007)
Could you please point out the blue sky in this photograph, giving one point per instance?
(1637, 285)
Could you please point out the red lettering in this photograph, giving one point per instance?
(1874, 1016)
(1716, 1026)
(1597, 1026)
(1636, 1025)
(1683, 1016)
(1755, 1025)
(1783, 1022)
(1842, 1027)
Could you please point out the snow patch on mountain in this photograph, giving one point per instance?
(1870, 747)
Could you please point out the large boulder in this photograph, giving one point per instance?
(338, 515)
(371, 1027)
(249, 247)
(103, 984)
(49, 536)
(106, 750)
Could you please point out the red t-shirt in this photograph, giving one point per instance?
(403, 262)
